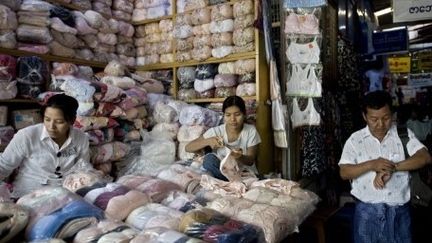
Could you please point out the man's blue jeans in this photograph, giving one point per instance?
(212, 163)
(379, 222)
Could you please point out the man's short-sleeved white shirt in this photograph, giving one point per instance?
(362, 146)
(38, 156)
(248, 137)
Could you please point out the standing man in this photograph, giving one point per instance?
(373, 159)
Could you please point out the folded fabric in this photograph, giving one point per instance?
(48, 226)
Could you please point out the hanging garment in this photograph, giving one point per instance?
(302, 23)
(309, 116)
(304, 3)
(313, 154)
(303, 53)
(304, 82)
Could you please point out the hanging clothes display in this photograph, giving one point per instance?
(304, 79)
(279, 115)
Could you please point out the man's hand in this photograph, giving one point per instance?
(381, 179)
(381, 165)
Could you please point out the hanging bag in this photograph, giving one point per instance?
(421, 193)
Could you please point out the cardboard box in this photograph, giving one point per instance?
(3, 115)
(24, 118)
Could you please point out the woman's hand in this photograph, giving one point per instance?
(236, 153)
(215, 142)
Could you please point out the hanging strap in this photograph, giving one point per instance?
(421, 194)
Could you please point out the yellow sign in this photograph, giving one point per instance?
(425, 61)
(399, 64)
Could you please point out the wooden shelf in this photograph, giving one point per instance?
(19, 100)
(229, 58)
(172, 16)
(211, 100)
(51, 58)
(77, 8)
(147, 21)
(67, 5)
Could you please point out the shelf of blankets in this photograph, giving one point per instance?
(78, 8)
(67, 5)
(147, 21)
(19, 100)
(216, 100)
(229, 58)
(52, 58)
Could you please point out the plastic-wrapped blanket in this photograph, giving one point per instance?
(33, 34)
(200, 16)
(14, 219)
(226, 25)
(170, 129)
(157, 189)
(244, 21)
(8, 90)
(12, 4)
(226, 68)
(8, 19)
(243, 7)
(81, 179)
(66, 221)
(177, 200)
(244, 66)
(90, 123)
(221, 12)
(206, 71)
(299, 202)
(186, 76)
(108, 152)
(195, 115)
(187, 94)
(201, 85)
(275, 222)
(106, 228)
(45, 201)
(212, 226)
(7, 39)
(246, 89)
(221, 39)
(35, 5)
(242, 37)
(154, 215)
(225, 80)
(223, 92)
(32, 71)
(162, 234)
(107, 93)
(188, 133)
(8, 68)
(61, 50)
(81, 24)
(64, 68)
(224, 188)
(180, 175)
(121, 82)
(164, 113)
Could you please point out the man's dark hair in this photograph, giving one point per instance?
(234, 101)
(67, 104)
(377, 100)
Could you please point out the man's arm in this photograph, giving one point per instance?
(416, 161)
(352, 171)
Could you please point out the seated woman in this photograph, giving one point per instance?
(45, 153)
(242, 139)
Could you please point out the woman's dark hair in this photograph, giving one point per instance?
(67, 104)
(234, 101)
(377, 100)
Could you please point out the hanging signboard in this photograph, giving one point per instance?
(425, 61)
(411, 10)
(390, 41)
(420, 79)
(399, 64)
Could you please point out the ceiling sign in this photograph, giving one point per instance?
(411, 10)
(399, 64)
(392, 41)
(420, 79)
